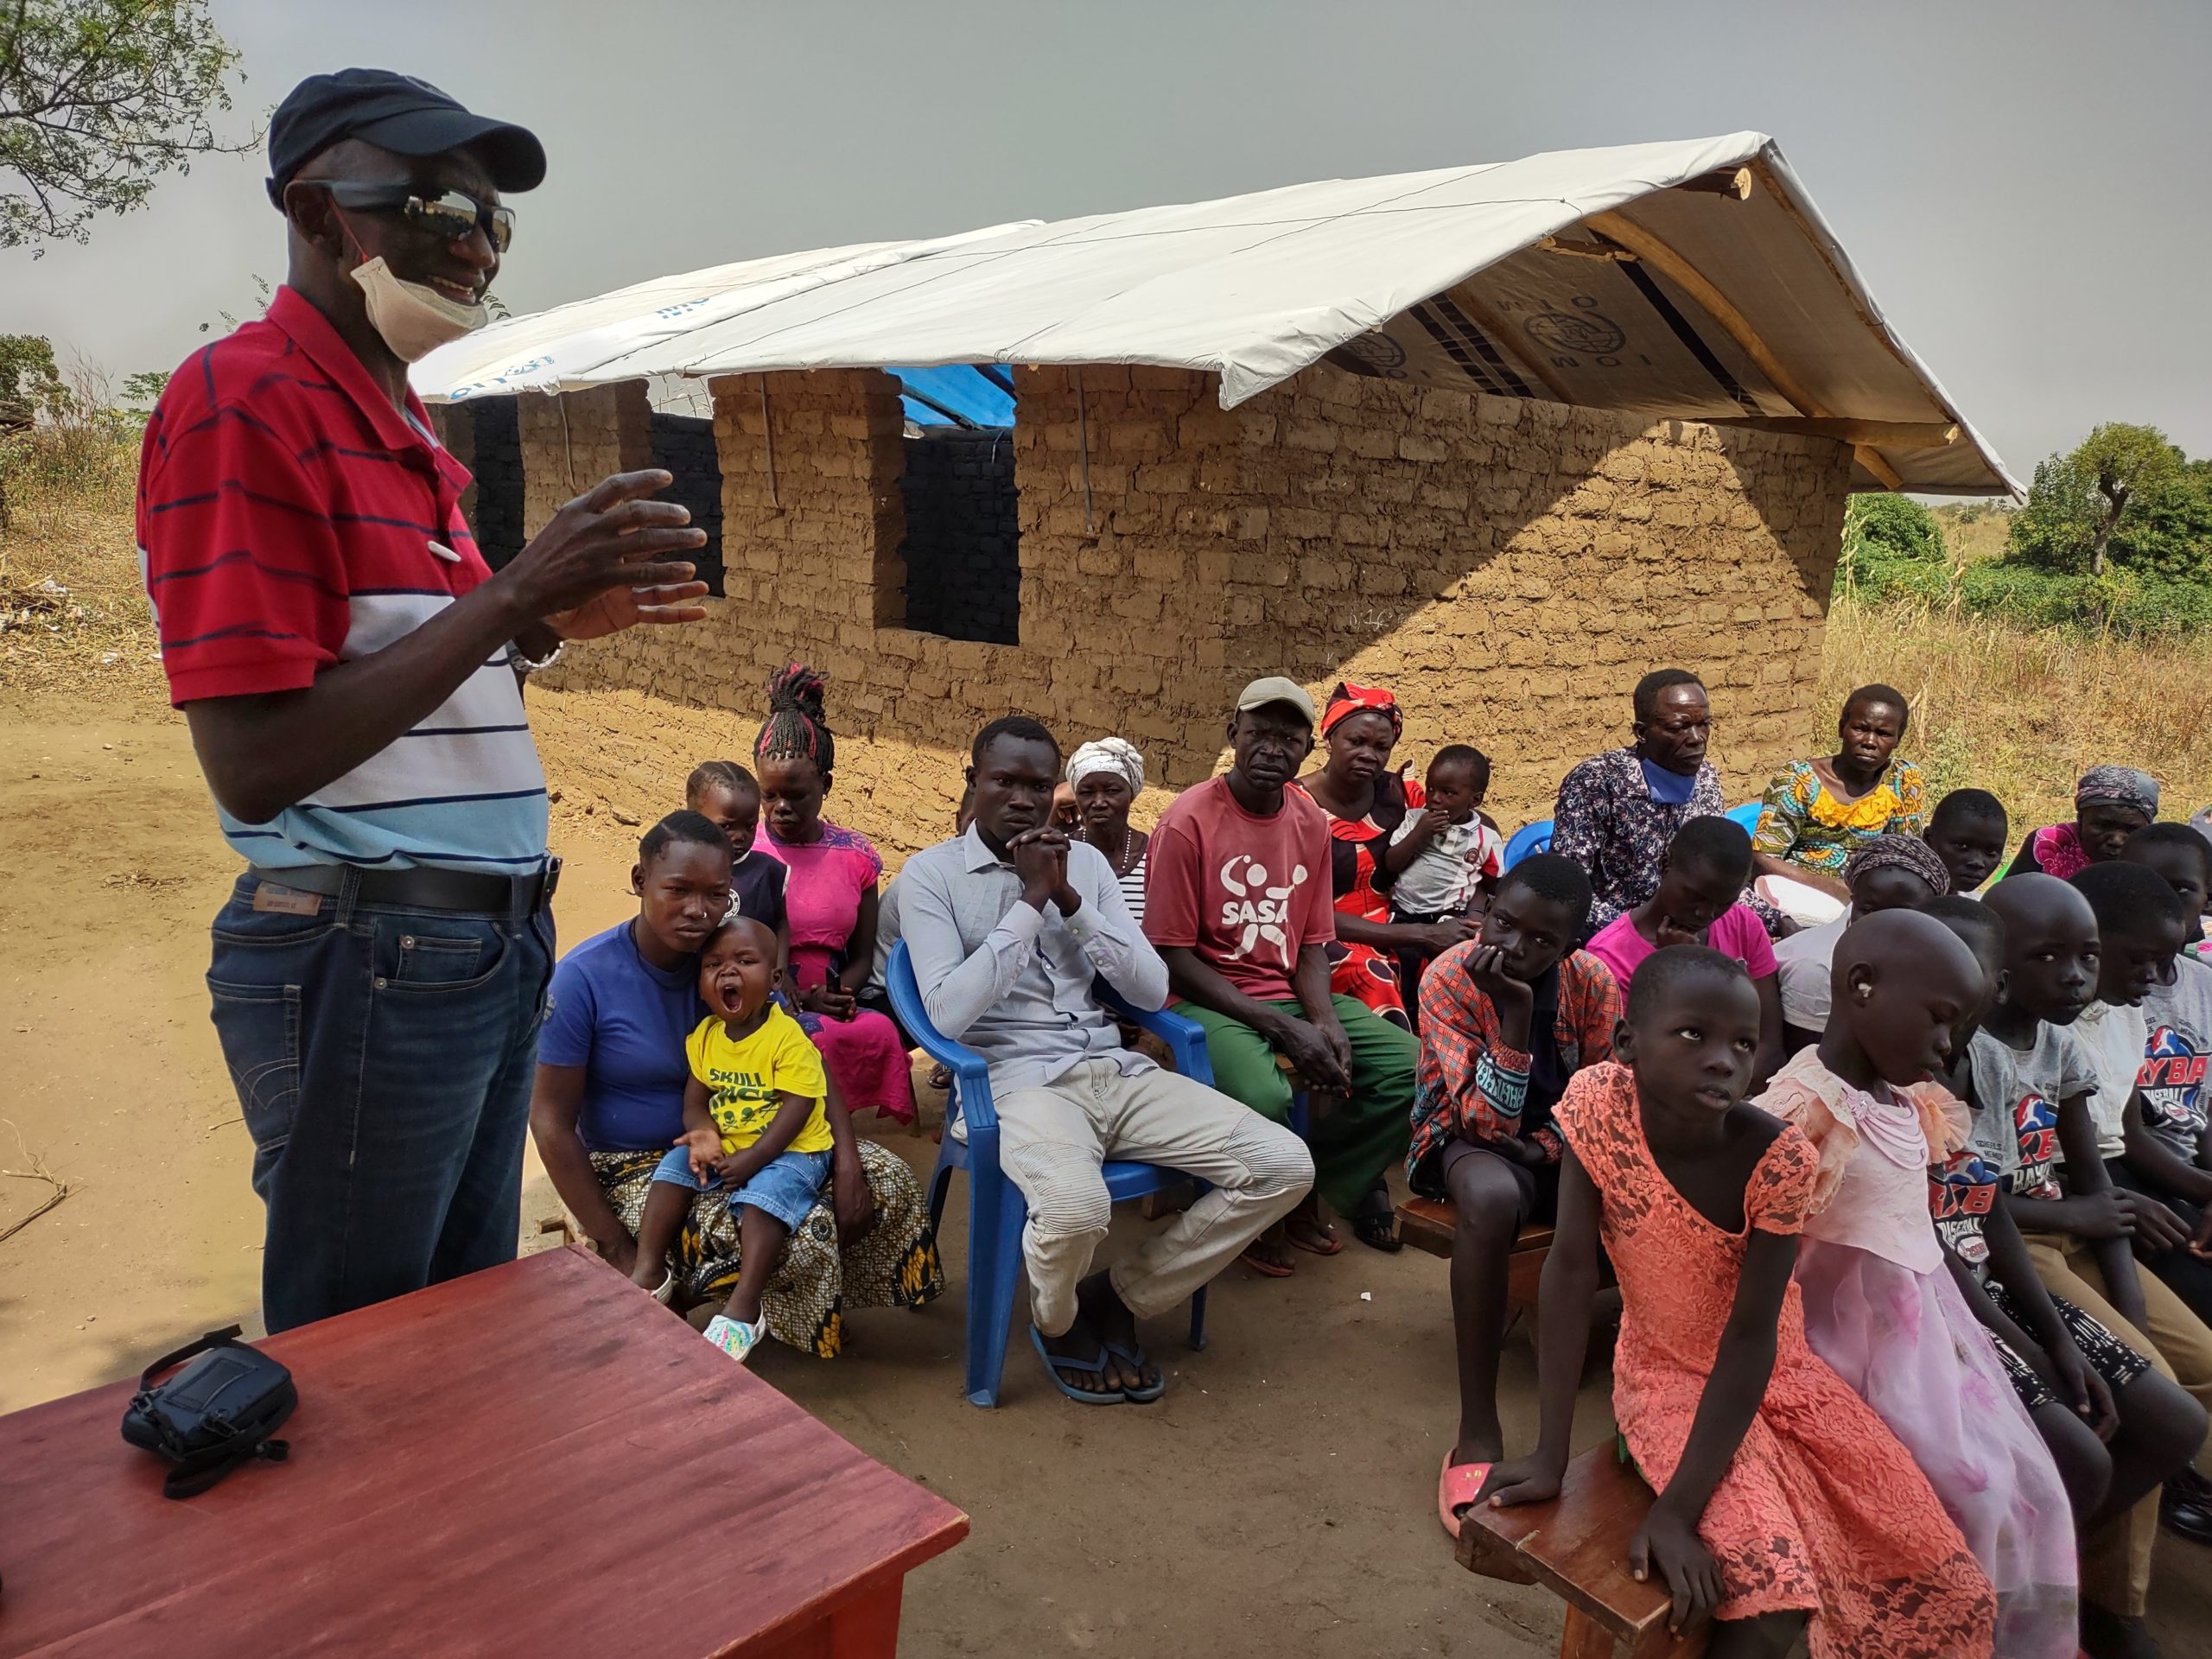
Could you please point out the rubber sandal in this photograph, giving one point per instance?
(1261, 1266)
(1330, 1244)
(1092, 1361)
(1456, 1487)
(734, 1337)
(1377, 1233)
(666, 1294)
(1134, 1357)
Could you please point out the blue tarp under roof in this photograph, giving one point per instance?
(957, 394)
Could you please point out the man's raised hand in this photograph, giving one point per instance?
(580, 574)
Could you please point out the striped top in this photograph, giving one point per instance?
(1132, 887)
(290, 519)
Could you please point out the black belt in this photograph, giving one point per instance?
(424, 889)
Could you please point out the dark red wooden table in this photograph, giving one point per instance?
(533, 1460)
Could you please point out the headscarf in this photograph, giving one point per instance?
(2118, 786)
(1902, 853)
(1111, 754)
(1348, 700)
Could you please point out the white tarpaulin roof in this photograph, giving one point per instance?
(1692, 280)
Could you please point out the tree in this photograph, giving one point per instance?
(2123, 507)
(2113, 483)
(30, 385)
(1891, 544)
(97, 100)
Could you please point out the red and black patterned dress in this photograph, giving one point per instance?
(1360, 971)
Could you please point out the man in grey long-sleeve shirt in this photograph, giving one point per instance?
(1007, 924)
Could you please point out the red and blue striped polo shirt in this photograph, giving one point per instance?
(290, 519)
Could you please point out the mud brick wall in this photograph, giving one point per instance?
(964, 570)
(1509, 567)
(684, 445)
(570, 442)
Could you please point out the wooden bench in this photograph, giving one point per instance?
(1428, 1224)
(1577, 1548)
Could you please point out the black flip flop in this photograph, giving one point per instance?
(1377, 1228)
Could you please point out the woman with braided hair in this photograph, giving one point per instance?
(829, 899)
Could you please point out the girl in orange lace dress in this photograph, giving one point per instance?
(1781, 1496)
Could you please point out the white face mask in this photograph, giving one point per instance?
(413, 318)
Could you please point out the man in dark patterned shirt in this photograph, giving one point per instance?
(1617, 811)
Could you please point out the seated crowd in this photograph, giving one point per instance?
(1903, 1174)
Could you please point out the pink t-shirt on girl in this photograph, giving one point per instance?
(1736, 932)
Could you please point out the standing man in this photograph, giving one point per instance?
(351, 671)
(1236, 897)
(1009, 925)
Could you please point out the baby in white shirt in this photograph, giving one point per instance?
(1454, 850)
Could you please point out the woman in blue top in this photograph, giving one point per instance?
(609, 1102)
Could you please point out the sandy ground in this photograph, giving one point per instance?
(1279, 1501)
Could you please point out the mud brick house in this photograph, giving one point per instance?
(1500, 436)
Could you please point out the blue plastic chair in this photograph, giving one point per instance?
(1747, 815)
(996, 1210)
(1528, 839)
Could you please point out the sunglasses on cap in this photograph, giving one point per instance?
(450, 218)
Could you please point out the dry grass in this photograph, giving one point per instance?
(2024, 715)
(73, 617)
(2020, 714)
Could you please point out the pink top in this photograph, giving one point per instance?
(1736, 932)
(1871, 1190)
(822, 896)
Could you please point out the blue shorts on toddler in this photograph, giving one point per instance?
(786, 1187)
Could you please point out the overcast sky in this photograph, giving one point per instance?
(2022, 183)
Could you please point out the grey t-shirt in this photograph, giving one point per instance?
(2179, 1016)
(2017, 1095)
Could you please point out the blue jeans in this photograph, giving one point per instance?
(383, 1059)
(786, 1186)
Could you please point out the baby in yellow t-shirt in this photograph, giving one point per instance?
(753, 1126)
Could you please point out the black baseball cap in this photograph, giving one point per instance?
(395, 112)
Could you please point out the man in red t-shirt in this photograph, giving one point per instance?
(1237, 898)
(350, 670)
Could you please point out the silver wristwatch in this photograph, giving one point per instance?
(526, 665)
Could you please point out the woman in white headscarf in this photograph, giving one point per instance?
(1107, 776)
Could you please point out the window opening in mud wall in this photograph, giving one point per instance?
(684, 445)
(964, 534)
(498, 466)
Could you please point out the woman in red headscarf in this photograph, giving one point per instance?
(1366, 800)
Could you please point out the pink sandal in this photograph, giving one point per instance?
(1456, 1488)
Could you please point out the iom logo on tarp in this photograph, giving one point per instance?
(1377, 354)
(1583, 331)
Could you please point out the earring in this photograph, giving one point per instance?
(1866, 991)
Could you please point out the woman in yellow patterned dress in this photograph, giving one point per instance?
(1819, 813)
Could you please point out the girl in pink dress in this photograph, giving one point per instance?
(1780, 1496)
(1880, 1304)
(830, 899)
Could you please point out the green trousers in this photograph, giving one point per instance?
(1360, 1138)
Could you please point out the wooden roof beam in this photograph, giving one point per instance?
(1734, 181)
(1888, 435)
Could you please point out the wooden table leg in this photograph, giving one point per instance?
(867, 1627)
(864, 1626)
(1584, 1638)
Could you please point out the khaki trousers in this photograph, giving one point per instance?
(1052, 1140)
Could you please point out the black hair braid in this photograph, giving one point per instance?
(795, 728)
